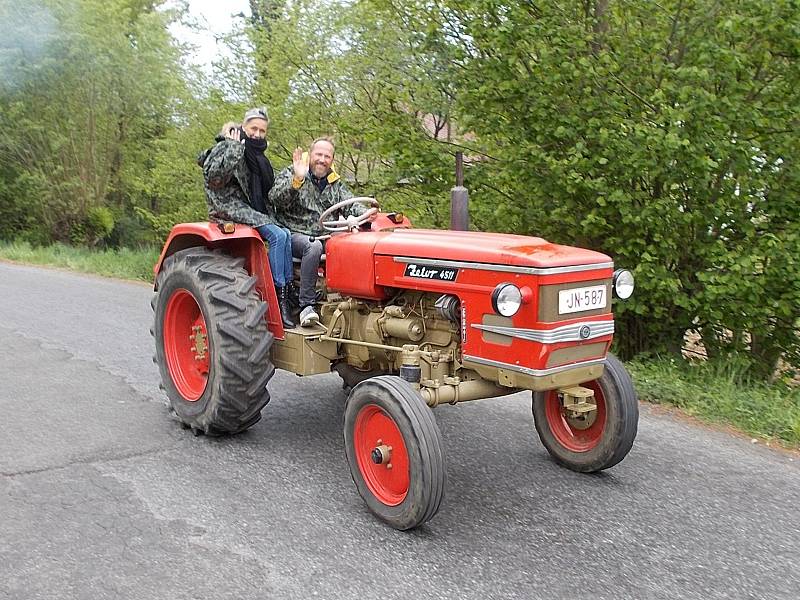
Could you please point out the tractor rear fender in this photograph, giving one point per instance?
(243, 242)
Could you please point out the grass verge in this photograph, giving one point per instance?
(124, 263)
(719, 393)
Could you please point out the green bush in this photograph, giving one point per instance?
(130, 231)
(100, 223)
(664, 135)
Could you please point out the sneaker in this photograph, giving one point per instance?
(308, 317)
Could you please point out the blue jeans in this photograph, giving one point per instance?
(280, 252)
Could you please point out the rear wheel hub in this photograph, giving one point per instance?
(186, 345)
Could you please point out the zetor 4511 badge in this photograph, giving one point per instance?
(411, 320)
(423, 272)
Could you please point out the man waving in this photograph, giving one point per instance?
(300, 195)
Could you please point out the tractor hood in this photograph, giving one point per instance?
(478, 247)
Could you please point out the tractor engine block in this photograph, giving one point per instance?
(382, 328)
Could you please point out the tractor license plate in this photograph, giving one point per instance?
(580, 299)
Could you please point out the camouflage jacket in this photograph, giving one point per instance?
(226, 183)
(299, 209)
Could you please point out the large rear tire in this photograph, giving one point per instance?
(394, 449)
(604, 440)
(212, 341)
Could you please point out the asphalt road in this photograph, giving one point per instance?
(103, 496)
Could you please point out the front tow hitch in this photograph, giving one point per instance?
(580, 407)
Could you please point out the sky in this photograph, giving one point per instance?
(215, 17)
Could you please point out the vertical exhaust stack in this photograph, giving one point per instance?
(459, 199)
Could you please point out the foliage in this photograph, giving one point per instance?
(338, 70)
(172, 192)
(663, 134)
(88, 86)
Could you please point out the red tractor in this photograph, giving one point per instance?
(410, 319)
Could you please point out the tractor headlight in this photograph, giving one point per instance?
(623, 283)
(506, 299)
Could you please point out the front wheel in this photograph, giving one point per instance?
(599, 441)
(394, 450)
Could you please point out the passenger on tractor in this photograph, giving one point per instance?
(302, 192)
(238, 177)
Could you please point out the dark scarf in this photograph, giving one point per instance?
(261, 175)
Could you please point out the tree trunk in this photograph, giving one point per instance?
(600, 25)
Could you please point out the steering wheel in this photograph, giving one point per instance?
(352, 223)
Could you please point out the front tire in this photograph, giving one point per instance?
(212, 341)
(394, 450)
(607, 438)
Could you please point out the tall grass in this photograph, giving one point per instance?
(124, 263)
(721, 393)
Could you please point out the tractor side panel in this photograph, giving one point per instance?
(350, 265)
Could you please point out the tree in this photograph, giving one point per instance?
(335, 68)
(663, 134)
(88, 96)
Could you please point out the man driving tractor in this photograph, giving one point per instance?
(302, 192)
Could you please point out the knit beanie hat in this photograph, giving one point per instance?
(256, 113)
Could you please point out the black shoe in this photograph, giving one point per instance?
(283, 304)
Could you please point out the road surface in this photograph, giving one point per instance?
(102, 495)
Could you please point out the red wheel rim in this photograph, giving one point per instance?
(573, 438)
(186, 345)
(375, 429)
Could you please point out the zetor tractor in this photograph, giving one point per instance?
(410, 319)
